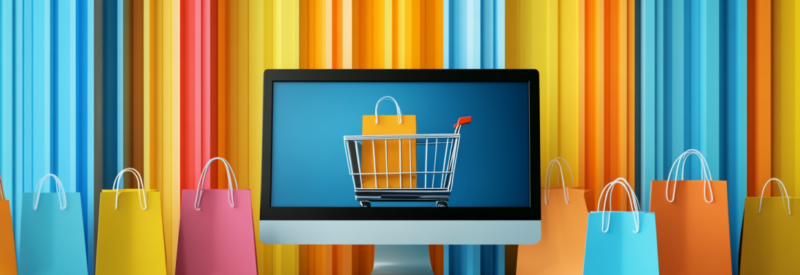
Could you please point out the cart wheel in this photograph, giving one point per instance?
(441, 204)
(365, 204)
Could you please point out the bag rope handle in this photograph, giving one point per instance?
(62, 194)
(198, 195)
(2, 194)
(606, 196)
(787, 204)
(399, 114)
(550, 167)
(140, 188)
(705, 172)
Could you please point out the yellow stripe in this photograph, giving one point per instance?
(286, 55)
(347, 34)
(170, 26)
(796, 33)
(328, 34)
(571, 85)
(401, 34)
(286, 41)
(783, 112)
(387, 34)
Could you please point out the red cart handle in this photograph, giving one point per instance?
(462, 121)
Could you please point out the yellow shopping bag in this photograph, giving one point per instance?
(392, 156)
(770, 242)
(130, 238)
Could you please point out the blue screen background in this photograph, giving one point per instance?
(309, 165)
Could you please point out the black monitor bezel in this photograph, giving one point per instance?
(401, 213)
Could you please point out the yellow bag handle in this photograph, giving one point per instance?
(787, 204)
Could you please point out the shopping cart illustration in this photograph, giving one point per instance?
(431, 184)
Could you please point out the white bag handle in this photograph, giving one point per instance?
(399, 114)
(140, 188)
(2, 194)
(198, 195)
(705, 172)
(605, 199)
(62, 195)
(550, 167)
(787, 204)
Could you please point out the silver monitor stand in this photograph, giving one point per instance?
(402, 259)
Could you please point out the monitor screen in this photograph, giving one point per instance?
(328, 150)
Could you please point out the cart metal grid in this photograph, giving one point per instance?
(437, 184)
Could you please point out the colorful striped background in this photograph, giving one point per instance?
(89, 87)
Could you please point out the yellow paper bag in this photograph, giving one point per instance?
(130, 238)
(393, 156)
(770, 239)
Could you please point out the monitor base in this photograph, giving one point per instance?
(402, 259)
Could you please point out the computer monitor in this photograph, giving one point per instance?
(460, 165)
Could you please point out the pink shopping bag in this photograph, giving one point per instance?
(216, 233)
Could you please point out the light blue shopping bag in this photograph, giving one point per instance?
(52, 239)
(619, 242)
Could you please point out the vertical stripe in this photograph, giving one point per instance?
(191, 93)
(735, 112)
(347, 34)
(784, 74)
(172, 124)
(285, 52)
(646, 125)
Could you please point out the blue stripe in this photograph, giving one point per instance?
(500, 34)
(699, 51)
(84, 152)
(645, 92)
(20, 147)
(42, 102)
(734, 109)
(111, 78)
(487, 34)
(6, 97)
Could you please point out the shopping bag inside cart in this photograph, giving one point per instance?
(396, 159)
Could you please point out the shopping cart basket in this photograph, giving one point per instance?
(436, 184)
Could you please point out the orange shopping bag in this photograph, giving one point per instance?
(693, 230)
(386, 154)
(8, 256)
(561, 249)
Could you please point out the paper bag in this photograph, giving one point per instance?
(130, 235)
(563, 243)
(694, 234)
(619, 242)
(391, 156)
(216, 233)
(8, 256)
(52, 238)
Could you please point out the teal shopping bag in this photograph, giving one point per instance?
(620, 242)
(52, 239)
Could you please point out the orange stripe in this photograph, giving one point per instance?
(337, 34)
(136, 133)
(304, 34)
(438, 26)
(759, 97)
(593, 173)
(631, 50)
(319, 34)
